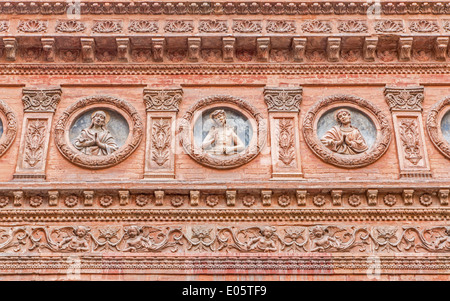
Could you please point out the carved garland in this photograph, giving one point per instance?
(98, 162)
(434, 119)
(233, 160)
(348, 161)
(9, 127)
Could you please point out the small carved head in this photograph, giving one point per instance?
(219, 117)
(99, 118)
(133, 231)
(268, 231)
(343, 116)
(318, 232)
(81, 231)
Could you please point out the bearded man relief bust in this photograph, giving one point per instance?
(344, 138)
(222, 139)
(96, 139)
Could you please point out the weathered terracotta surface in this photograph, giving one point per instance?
(292, 210)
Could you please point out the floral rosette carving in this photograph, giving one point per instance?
(71, 201)
(249, 200)
(212, 200)
(177, 201)
(9, 121)
(36, 201)
(142, 200)
(284, 200)
(434, 120)
(390, 200)
(92, 161)
(232, 160)
(319, 200)
(426, 199)
(4, 200)
(354, 200)
(106, 200)
(348, 161)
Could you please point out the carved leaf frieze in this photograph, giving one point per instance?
(161, 139)
(316, 26)
(280, 26)
(34, 142)
(389, 26)
(178, 26)
(409, 135)
(213, 26)
(404, 98)
(286, 142)
(162, 100)
(283, 99)
(143, 26)
(107, 26)
(70, 26)
(247, 26)
(423, 26)
(32, 26)
(41, 100)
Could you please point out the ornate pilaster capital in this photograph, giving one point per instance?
(41, 100)
(404, 99)
(283, 99)
(162, 99)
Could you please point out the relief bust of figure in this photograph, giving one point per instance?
(96, 139)
(344, 138)
(222, 139)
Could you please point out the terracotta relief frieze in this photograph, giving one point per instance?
(224, 239)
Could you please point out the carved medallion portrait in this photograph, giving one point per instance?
(8, 127)
(98, 132)
(346, 131)
(222, 132)
(438, 126)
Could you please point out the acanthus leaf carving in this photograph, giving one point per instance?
(316, 26)
(162, 99)
(107, 26)
(247, 26)
(423, 26)
(41, 100)
(161, 138)
(410, 98)
(141, 26)
(34, 141)
(286, 142)
(70, 26)
(409, 135)
(352, 26)
(178, 26)
(283, 99)
(32, 26)
(389, 26)
(280, 26)
(213, 26)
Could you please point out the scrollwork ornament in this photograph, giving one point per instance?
(433, 125)
(9, 127)
(348, 161)
(222, 162)
(91, 161)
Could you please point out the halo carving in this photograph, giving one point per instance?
(258, 124)
(9, 123)
(365, 158)
(437, 113)
(79, 158)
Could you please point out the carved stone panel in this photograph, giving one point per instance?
(222, 131)
(406, 107)
(438, 126)
(98, 131)
(8, 127)
(346, 131)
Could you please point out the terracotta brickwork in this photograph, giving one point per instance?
(224, 152)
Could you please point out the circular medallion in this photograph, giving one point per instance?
(222, 132)
(346, 131)
(438, 126)
(8, 127)
(98, 132)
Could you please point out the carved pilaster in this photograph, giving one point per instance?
(228, 49)
(440, 48)
(298, 49)
(369, 48)
(39, 108)
(162, 107)
(10, 48)
(284, 105)
(87, 49)
(405, 48)
(48, 46)
(158, 45)
(194, 48)
(123, 49)
(406, 108)
(333, 49)
(262, 49)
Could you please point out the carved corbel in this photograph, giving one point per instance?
(266, 197)
(158, 45)
(298, 49)
(405, 48)
(124, 197)
(262, 49)
(301, 197)
(369, 48)
(88, 197)
(123, 49)
(231, 197)
(283, 105)
(408, 195)
(336, 196)
(228, 49)
(194, 197)
(18, 198)
(48, 45)
(194, 47)
(372, 197)
(443, 196)
(406, 108)
(333, 49)
(159, 197)
(87, 49)
(162, 108)
(10, 48)
(440, 48)
(39, 107)
(53, 198)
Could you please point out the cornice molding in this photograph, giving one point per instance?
(223, 8)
